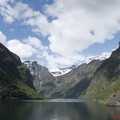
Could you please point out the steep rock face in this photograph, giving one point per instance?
(39, 73)
(43, 80)
(26, 76)
(12, 82)
(105, 83)
(74, 83)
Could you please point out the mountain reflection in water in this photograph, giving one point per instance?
(59, 109)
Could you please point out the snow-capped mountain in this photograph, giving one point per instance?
(102, 57)
(43, 80)
(62, 71)
(39, 73)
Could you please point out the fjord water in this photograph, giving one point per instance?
(57, 110)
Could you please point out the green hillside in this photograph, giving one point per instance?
(15, 79)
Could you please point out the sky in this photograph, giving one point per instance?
(60, 33)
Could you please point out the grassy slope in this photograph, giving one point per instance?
(106, 79)
(74, 83)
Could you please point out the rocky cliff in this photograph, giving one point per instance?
(43, 80)
(15, 78)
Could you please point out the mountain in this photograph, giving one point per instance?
(15, 78)
(74, 83)
(70, 85)
(105, 84)
(62, 71)
(43, 80)
(98, 80)
(101, 58)
(65, 85)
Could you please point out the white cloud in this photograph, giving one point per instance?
(3, 38)
(2, 2)
(81, 23)
(7, 11)
(21, 49)
(55, 61)
(25, 16)
(24, 48)
(77, 25)
(33, 42)
(32, 46)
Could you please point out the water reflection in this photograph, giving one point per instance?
(33, 110)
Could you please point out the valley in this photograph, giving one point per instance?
(97, 80)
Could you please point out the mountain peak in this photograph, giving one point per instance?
(11, 55)
(62, 71)
(116, 53)
(30, 62)
(38, 70)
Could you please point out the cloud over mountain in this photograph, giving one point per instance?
(69, 26)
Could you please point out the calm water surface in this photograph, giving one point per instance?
(62, 109)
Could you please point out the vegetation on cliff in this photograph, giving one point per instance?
(15, 79)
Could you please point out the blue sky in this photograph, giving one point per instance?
(59, 33)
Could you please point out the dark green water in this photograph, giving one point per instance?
(57, 110)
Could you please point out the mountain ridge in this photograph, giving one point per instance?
(43, 80)
(105, 84)
(15, 79)
(63, 71)
(98, 80)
